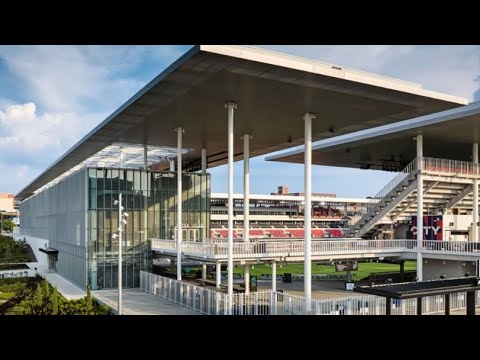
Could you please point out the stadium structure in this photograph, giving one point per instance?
(219, 104)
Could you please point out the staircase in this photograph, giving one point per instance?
(376, 215)
(446, 184)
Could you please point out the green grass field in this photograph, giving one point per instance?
(364, 269)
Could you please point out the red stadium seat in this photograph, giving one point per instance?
(297, 233)
(317, 233)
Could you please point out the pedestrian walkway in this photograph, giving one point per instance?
(137, 302)
(65, 287)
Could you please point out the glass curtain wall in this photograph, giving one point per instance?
(150, 200)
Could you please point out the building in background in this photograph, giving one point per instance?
(7, 202)
(281, 215)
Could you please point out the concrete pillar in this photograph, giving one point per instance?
(122, 156)
(246, 187)
(179, 202)
(308, 209)
(246, 277)
(419, 207)
(145, 156)
(218, 276)
(274, 275)
(231, 108)
(204, 271)
(246, 203)
(204, 161)
(475, 194)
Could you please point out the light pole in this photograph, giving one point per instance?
(121, 221)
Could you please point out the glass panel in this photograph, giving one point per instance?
(115, 181)
(129, 181)
(150, 202)
(136, 180)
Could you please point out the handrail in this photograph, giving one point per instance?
(281, 248)
(426, 164)
(412, 166)
(267, 302)
(272, 248)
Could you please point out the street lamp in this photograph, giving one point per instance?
(122, 216)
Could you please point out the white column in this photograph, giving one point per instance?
(475, 194)
(204, 271)
(419, 207)
(274, 275)
(145, 156)
(120, 231)
(204, 161)
(218, 277)
(145, 165)
(246, 187)
(308, 208)
(179, 202)
(231, 108)
(246, 204)
(121, 157)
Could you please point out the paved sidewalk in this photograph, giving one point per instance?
(138, 302)
(65, 287)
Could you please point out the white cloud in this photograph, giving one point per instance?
(77, 78)
(29, 137)
(65, 92)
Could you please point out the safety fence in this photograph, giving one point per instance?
(267, 302)
(273, 248)
(290, 304)
(206, 301)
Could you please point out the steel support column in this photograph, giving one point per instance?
(179, 203)
(475, 194)
(246, 204)
(204, 161)
(308, 209)
(419, 207)
(231, 108)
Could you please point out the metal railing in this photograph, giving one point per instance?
(450, 166)
(267, 302)
(273, 248)
(392, 184)
(291, 304)
(425, 164)
(453, 247)
(295, 248)
(206, 301)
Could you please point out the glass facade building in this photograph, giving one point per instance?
(150, 199)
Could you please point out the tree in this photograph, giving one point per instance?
(46, 289)
(8, 225)
(54, 300)
(38, 303)
(89, 302)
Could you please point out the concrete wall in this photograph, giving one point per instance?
(433, 268)
(36, 244)
(59, 215)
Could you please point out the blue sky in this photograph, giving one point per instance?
(51, 96)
